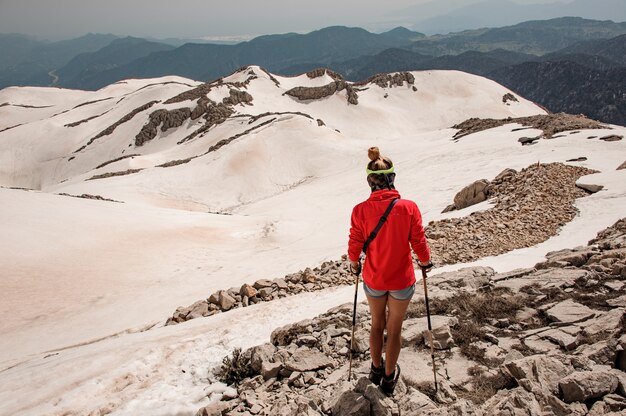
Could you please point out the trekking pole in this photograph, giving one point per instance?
(430, 329)
(356, 293)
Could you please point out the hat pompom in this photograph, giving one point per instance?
(373, 153)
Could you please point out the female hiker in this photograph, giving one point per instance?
(388, 275)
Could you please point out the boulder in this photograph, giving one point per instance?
(361, 340)
(270, 370)
(215, 298)
(504, 175)
(471, 194)
(569, 312)
(564, 339)
(226, 301)
(449, 208)
(610, 403)
(619, 301)
(470, 277)
(577, 258)
(415, 402)
(308, 360)
(589, 187)
(600, 352)
(539, 372)
(247, 290)
(605, 323)
(261, 354)
(351, 403)
(381, 404)
(198, 309)
(584, 385)
(260, 284)
(515, 402)
(528, 140)
(442, 338)
(214, 409)
(413, 329)
(265, 293)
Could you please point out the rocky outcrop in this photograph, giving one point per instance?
(109, 130)
(611, 138)
(509, 97)
(237, 97)
(389, 80)
(551, 124)
(320, 72)
(117, 159)
(85, 120)
(214, 114)
(317, 93)
(112, 174)
(509, 359)
(204, 89)
(89, 196)
(529, 207)
(167, 119)
(622, 166)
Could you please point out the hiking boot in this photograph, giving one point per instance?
(376, 373)
(388, 382)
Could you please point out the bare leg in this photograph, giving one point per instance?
(378, 312)
(395, 317)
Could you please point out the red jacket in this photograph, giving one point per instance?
(388, 264)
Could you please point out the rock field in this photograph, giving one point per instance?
(547, 340)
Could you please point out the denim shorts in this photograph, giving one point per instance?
(402, 294)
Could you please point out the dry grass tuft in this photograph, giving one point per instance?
(235, 367)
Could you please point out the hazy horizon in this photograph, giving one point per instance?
(66, 19)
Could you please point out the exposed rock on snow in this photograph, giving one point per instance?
(509, 97)
(331, 273)
(590, 187)
(389, 80)
(530, 206)
(528, 140)
(317, 93)
(167, 119)
(320, 72)
(112, 174)
(611, 138)
(551, 124)
(109, 130)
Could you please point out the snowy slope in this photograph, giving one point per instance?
(271, 202)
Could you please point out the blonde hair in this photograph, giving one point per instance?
(378, 162)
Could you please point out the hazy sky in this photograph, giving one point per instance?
(199, 18)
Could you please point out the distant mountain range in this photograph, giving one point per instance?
(481, 14)
(524, 57)
(26, 61)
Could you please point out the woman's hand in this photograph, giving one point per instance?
(426, 266)
(355, 267)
